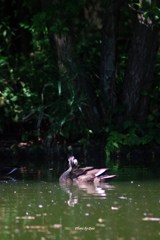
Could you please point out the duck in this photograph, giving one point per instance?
(76, 175)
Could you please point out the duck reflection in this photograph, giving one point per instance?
(84, 190)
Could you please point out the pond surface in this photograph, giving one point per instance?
(45, 210)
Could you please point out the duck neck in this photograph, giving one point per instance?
(66, 174)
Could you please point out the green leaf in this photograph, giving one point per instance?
(115, 144)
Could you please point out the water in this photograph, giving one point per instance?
(45, 210)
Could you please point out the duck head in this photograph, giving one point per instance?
(73, 163)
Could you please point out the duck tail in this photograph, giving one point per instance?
(108, 177)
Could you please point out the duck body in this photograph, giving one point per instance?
(77, 175)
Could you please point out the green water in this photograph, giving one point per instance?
(42, 210)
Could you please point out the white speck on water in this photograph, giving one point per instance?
(153, 219)
(100, 220)
(40, 206)
(86, 214)
(123, 197)
(114, 208)
(88, 205)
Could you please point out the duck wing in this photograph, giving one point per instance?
(87, 168)
(76, 172)
(97, 172)
(101, 171)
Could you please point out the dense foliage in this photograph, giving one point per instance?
(78, 69)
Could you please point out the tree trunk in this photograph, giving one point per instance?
(140, 69)
(72, 67)
(108, 57)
